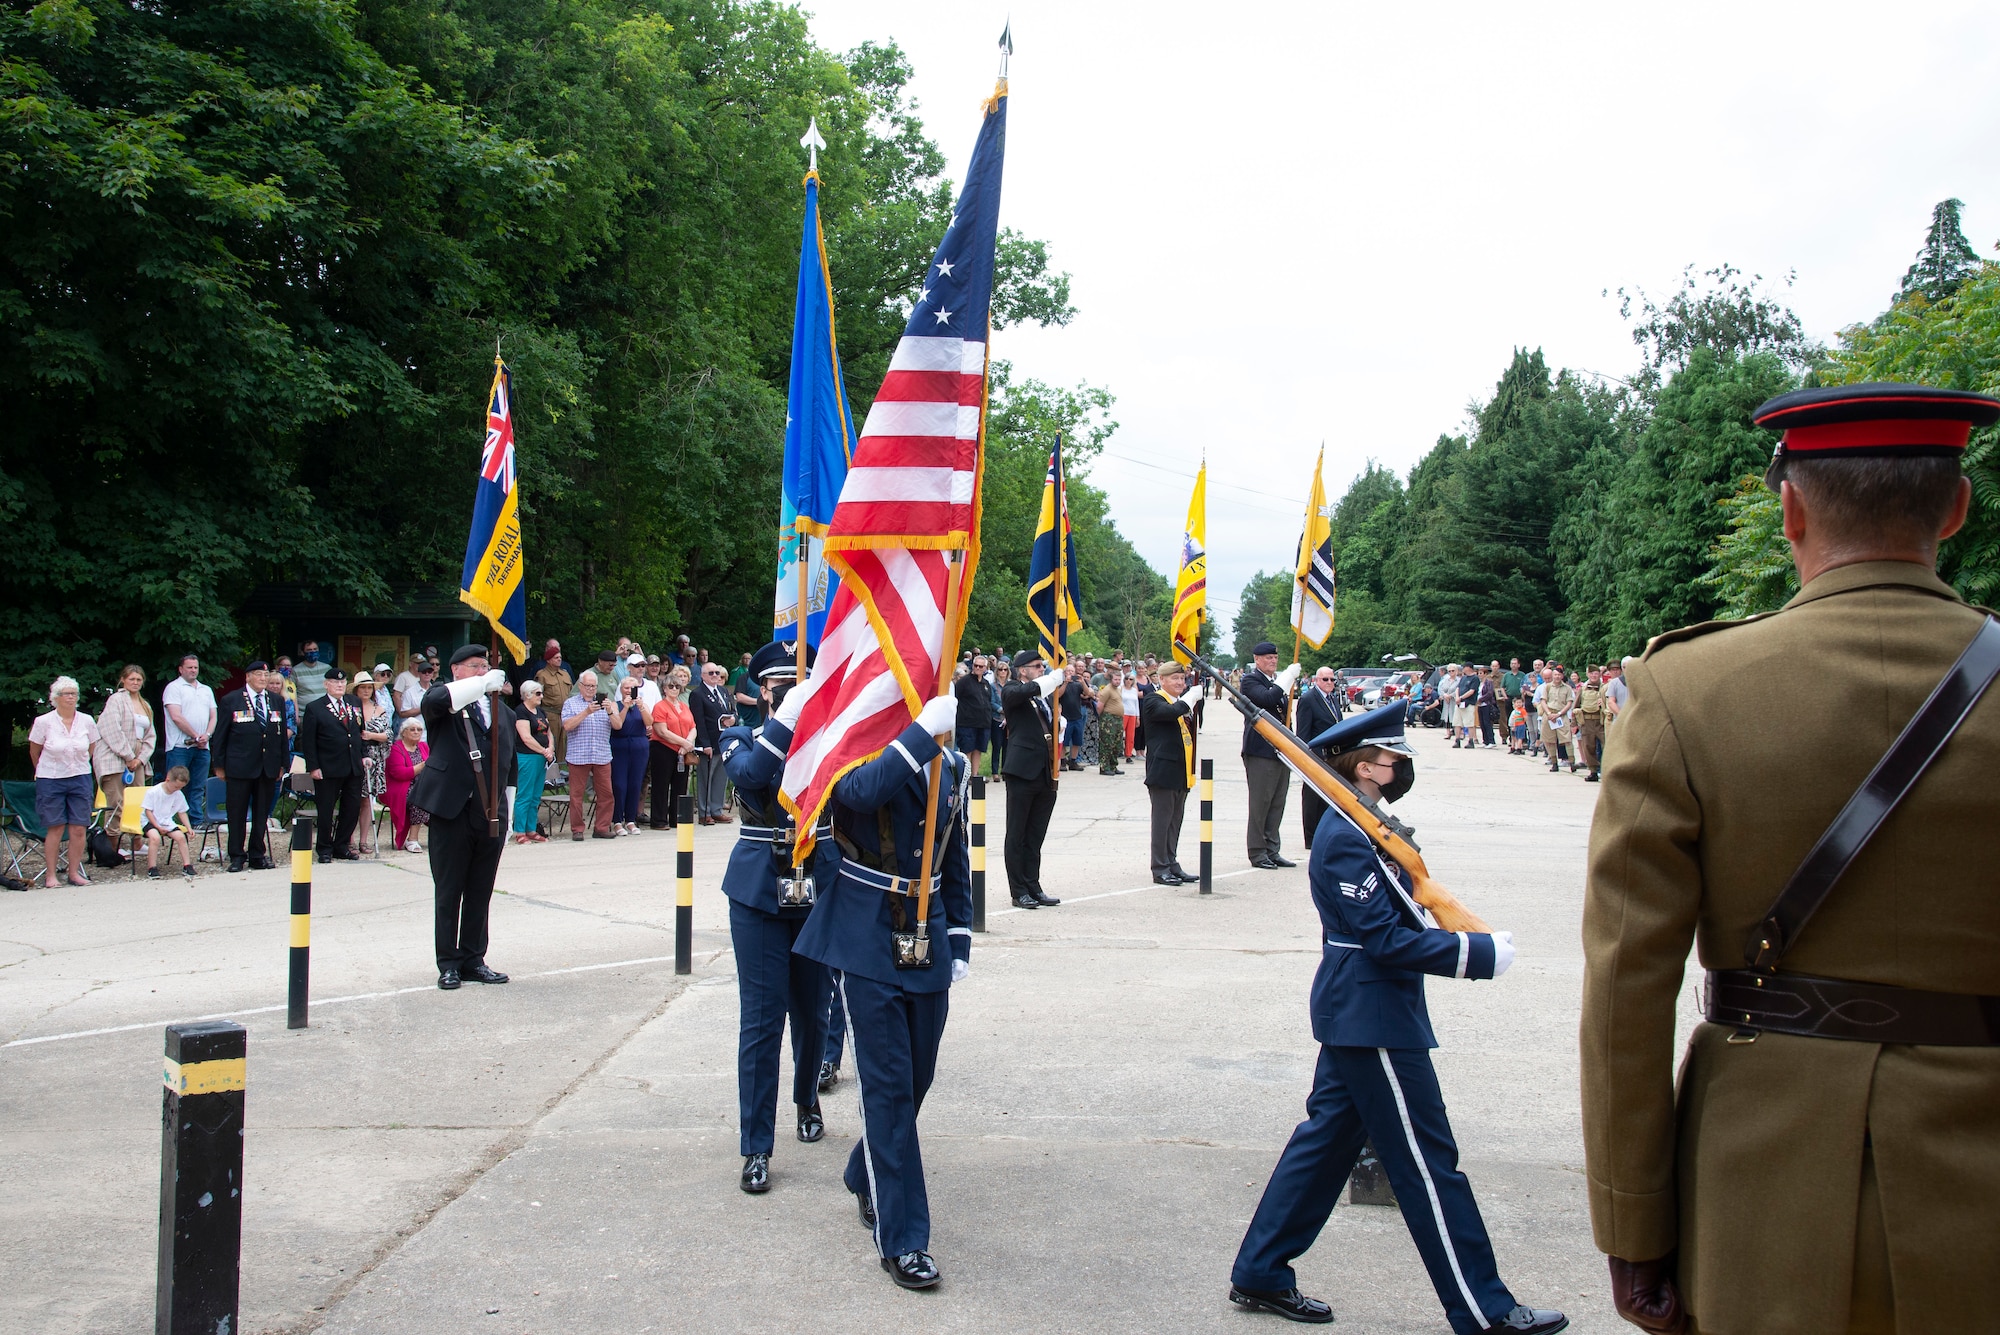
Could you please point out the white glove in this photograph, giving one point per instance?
(959, 969)
(1287, 677)
(939, 716)
(1047, 683)
(1503, 952)
(787, 713)
(495, 680)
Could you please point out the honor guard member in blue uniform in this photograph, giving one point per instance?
(1374, 1078)
(892, 985)
(769, 901)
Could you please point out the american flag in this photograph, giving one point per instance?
(911, 498)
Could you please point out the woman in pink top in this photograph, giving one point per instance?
(407, 755)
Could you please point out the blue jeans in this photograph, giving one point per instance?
(528, 791)
(628, 778)
(196, 760)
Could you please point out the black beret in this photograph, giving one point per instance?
(603, 656)
(335, 674)
(1263, 647)
(1025, 657)
(467, 651)
(1877, 419)
(257, 665)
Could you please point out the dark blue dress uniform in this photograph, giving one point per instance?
(771, 980)
(895, 1017)
(1375, 1081)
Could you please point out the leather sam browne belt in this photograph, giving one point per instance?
(1763, 997)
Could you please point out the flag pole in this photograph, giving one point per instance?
(799, 558)
(954, 629)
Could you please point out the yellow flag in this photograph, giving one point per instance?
(1191, 588)
(1312, 581)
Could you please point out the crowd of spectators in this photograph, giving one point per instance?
(1098, 704)
(1544, 711)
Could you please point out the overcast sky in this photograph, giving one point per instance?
(1295, 223)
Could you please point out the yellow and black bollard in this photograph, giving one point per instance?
(1208, 826)
(302, 907)
(978, 852)
(201, 1179)
(684, 889)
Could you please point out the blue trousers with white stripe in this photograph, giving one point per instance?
(773, 984)
(893, 1036)
(1391, 1095)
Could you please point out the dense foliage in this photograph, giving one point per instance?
(257, 255)
(1579, 518)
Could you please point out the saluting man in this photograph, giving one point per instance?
(892, 988)
(769, 901)
(330, 742)
(1169, 724)
(1269, 779)
(1832, 1159)
(456, 787)
(1031, 786)
(1375, 1079)
(250, 757)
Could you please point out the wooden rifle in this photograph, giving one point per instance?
(1451, 914)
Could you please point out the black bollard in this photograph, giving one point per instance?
(684, 889)
(302, 905)
(1208, 827)
(978, 853)
(201, 1180)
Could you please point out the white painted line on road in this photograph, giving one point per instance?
(1108, 894)
(316, 1001)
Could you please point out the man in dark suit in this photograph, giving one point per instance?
(1029, 769)
(330, 743)
(1268, 777)
(1169, 724)
(464, 788)
(1320, 707)
(250, 753)
(713, 711)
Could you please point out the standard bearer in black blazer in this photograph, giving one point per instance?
(458, 788)
(250, 752)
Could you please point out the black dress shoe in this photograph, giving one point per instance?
(447, 980)
(1167, 878)
(1185, 874)
(1290, 1304)
(262, 864)
(1047, 901)
(236, 864)
(1264, 863)
(867, 1209)
(1534, 1320)
(325, 856)
(346, 855)
(1274, 860)
(912, 1270)
(829, 1076)
(479, 973)
(811, 1125)
(757, 1174)
(1026, 902)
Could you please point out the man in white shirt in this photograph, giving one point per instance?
(649, 686)
(190, 720)
(410, 688)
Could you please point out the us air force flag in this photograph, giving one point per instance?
(492, 580)
(819, 437)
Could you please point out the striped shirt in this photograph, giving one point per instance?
(590, 744)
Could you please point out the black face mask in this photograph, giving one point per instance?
(778, 690)
(1406, 774)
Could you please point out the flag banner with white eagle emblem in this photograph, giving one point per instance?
(1312, 581)
(491, 583)
(909, 510)
(1052, 579)
(819, 440)
(1191, 585)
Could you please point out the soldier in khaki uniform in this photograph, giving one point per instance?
(1592, 711)
(1556, 702)
(1836, 1168)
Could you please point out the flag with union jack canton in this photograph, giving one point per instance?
(911, 497)
(491, 582)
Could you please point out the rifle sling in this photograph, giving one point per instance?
(1887, 784)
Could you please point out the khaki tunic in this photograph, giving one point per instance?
(556, 688)
(1738, 746)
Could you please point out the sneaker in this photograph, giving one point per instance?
(152, 873)
(187, 871)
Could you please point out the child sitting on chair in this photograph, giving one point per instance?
(164, 812)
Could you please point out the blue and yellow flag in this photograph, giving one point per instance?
(1191, 584)
(492, 581)
(1052, 584)
(819, 441)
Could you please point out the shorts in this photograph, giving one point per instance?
(1073, 731)
(972, 740)
(65, 801)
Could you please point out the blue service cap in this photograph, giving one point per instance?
(779, 658)
(1381, 727)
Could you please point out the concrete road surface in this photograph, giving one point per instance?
(559, 1154)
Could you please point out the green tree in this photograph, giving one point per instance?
(1946, 260)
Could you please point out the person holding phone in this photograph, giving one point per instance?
(586, 722)
(628, 753)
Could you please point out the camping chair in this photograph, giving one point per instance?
(216, 823)
(132, 825)
(554, 813)
(21, 833)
